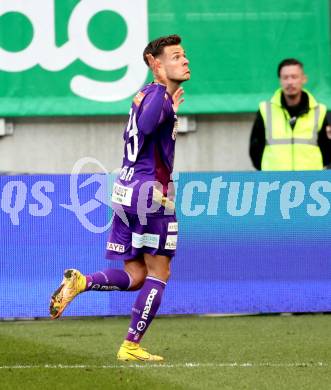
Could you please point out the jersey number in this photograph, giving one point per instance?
(132, 144)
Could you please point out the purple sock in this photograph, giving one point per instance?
(108, 280)
(145, 308)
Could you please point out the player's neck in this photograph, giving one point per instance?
(172, 87)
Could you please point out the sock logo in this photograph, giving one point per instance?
(132, 331)
(148, 303)
(98, 287)
(141, 325)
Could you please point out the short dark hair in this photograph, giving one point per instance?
(288, 61)
(157, 46)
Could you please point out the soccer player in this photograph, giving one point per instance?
(144, 228)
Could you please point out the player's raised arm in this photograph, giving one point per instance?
(149, 113)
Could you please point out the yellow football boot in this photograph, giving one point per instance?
(132, 351)
(72, 284)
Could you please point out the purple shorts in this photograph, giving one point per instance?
(157, 237)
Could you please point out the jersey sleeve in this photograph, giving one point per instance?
(150, 112)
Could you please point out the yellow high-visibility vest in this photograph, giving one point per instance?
(287, 149)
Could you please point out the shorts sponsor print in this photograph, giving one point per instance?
(157, 237)
(147, 239)
(113, 246)
(171, 242)
(173, 227)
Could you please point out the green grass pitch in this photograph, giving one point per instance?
(245, 352)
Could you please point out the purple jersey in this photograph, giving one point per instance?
(144, 185)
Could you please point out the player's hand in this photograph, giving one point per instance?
(157, 69)
(177, 98)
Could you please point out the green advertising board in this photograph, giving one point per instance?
(85, 57)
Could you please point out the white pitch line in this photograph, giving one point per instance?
(147, 365)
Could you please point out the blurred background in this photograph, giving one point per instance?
(68, 71)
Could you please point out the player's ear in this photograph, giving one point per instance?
(158, 61)
(150, 60)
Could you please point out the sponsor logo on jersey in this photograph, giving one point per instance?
(121, 194)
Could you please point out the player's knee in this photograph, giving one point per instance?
(137, 279)
(162, 274)
(136, 285)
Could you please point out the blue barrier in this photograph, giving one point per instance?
(248, 243)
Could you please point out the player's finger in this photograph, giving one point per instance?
(179, 92)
